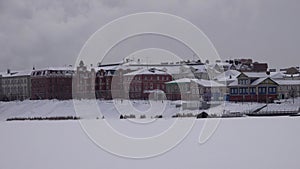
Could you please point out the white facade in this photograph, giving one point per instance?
(287, 88)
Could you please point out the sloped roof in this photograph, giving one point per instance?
(200, 68)
(259, 80)
(234, 83)
(288, 82)
(255, 74)
(55, 68)
(228, 75)
(16, 73)
(151, 71)
(277, 75)
(256, 82)
(208, 83)
(154, 91)
(183, 80)
(223, 64)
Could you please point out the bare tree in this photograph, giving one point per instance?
(293, 94)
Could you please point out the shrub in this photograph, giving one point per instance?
(158, 116)
(202, 115)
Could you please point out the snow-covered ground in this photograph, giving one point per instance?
(264, 142)
(237, 143)
(113, 109)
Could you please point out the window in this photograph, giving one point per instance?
(231, 91)
(252, 90)
(245, 91)
(272, 90)
(234, 91)
(262, 90)
(243, 81)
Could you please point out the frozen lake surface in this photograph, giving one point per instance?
(237, 143)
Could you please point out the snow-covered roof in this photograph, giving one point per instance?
(16, 73)
(183, 80)
(202, 82)
(172, 69)
(154, 91)
(255, 82)
(53, 71)
(234, 83)
(223, 64)
(150, 71)
(114, 67)
(277, 75)
(288, 82)
(294, 75)
(200, 68)
(55, 68)
(259, 80)
(255, 74)
(228, 75)
(208, 83)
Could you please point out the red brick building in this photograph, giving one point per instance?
(139, 84)
(52, 83)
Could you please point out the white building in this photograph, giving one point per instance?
(288, 88)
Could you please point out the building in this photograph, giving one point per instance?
(83, 82)
(180, 89)
(288, 88)
(195, 89)
(227, 77)
(144, 82)
(15, 85)
(259, 67)
(243, 65)
(210, 90)
(253, 87)
(52, 83)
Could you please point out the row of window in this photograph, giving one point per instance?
(252, 90)
(243, 81)
(15, 81)
(52, 72)
(15, 89)
(163, 78)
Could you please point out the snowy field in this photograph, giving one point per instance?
(113, 109)
(247, 142)
(237, 143)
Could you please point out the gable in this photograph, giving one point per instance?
(268, 81)
(242, 76)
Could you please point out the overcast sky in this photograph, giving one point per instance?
(52, 32)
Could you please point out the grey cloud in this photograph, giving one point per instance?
(51, 33)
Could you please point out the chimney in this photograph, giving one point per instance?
(8, 71)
